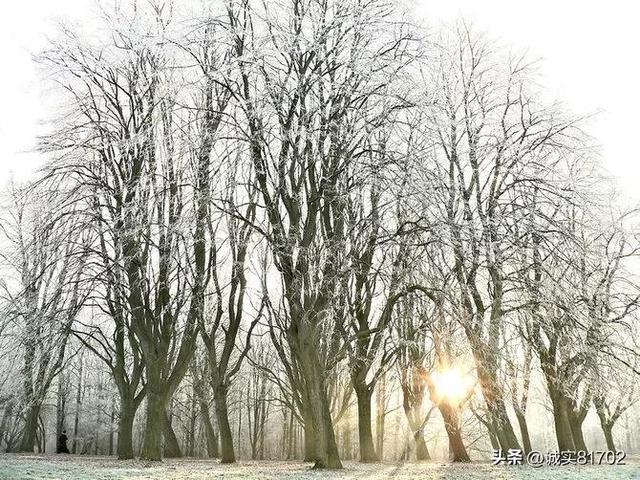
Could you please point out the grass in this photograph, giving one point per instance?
(75, 467)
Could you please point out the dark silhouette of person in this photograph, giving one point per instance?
(62, 443)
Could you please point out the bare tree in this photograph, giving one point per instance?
(47, 257)
(120, 155)
(489, 135)
(300, 206)
(617, 393)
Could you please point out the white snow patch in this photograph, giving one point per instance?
(75, 467)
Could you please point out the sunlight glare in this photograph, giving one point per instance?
(452, 384)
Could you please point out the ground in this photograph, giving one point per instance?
(71, 467)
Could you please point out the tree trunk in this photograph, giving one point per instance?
(191, 434)
(309, 437)
(327, 456)
(422, 452)
(491, 391)
(575, 422)
(61, 407)
(365, 434)
(297, 438)
(346, 442)
(76, 420)
(28, 439)
(154, 426)
(412, 400)
(125, 431)
(524, 431)
(171, 445)
(226, 437)
(41, 436)
(608, 436)
(606, 423)
(6, 415)
(263, 422)
(495, 445)
(209, 431)
(326, 449)
(125, 435)
(291, 435)
(561, 422)
(457, 450)
(112, 417)
(380, 416)
(504, 430)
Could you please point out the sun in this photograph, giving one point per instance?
(452, 384)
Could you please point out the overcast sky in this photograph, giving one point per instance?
(589, 52)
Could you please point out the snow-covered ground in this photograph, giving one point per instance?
(53, 467)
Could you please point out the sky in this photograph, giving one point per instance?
(588, 51)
